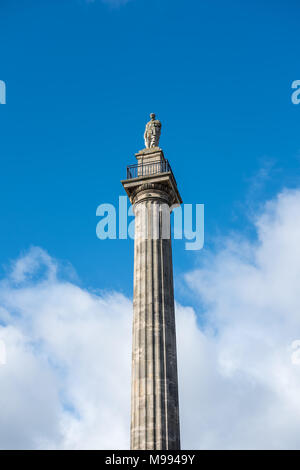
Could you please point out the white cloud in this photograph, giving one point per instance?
(66, 381)
(248, 391)
(67, 375)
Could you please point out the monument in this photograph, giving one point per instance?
(152, 190)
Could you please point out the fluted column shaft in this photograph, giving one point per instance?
(154, 396)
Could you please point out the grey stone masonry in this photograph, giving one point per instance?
(154, 393)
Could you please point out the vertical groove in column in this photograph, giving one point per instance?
(152, 378)
(137, 319)
(144, 351)
(165, 384)
(139, 313)
(134, 342)
(149, 327)
(156, 356)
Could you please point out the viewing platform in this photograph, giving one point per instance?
(148, 169)
(152, 168)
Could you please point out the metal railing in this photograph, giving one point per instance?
(148, 169)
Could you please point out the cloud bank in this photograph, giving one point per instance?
(66, 377)
(66, 381)
(249, 377)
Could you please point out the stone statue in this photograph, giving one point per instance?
(152, 132)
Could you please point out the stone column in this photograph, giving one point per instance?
(154, 393)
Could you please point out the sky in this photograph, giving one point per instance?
(81, 79)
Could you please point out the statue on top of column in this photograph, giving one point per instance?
(152, 132)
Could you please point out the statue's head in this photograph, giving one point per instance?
(152, 115)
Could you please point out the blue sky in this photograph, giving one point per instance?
(82, 78)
